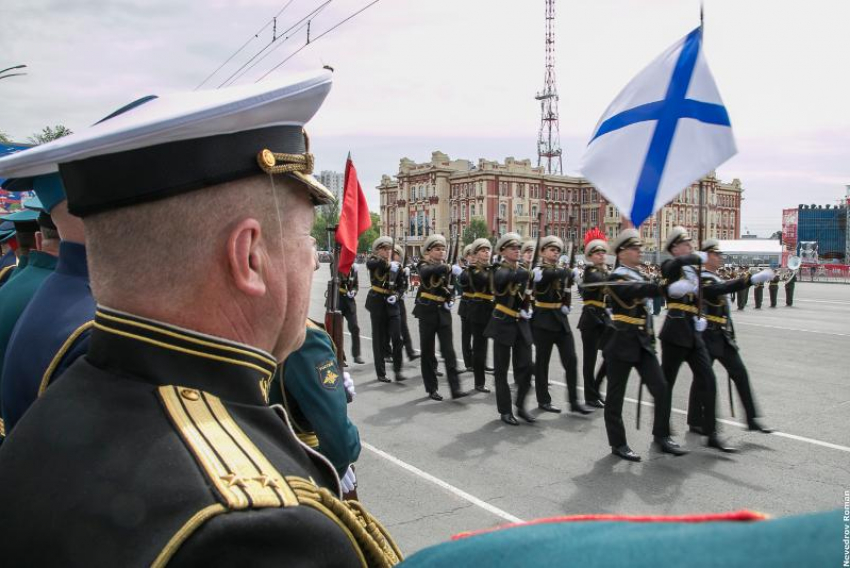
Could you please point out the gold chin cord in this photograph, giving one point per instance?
(279, 163)
(375, 543)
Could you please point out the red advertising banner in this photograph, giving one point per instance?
(789, 229)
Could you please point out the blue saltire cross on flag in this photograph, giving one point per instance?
(665, 130)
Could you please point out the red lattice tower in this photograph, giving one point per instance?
(549, 138)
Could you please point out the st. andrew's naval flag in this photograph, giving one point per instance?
(665, 130)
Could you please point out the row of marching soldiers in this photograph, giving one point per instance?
(519, 302)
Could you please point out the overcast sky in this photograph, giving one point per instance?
(460, 76)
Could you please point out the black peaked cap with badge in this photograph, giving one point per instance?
(159, 447)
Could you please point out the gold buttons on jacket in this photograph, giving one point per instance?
(190, 394)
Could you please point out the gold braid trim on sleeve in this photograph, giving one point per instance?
(373, 540)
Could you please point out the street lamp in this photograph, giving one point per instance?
(12, 74)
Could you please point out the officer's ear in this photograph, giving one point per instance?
(245, 257)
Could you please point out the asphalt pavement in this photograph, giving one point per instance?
(429, 470)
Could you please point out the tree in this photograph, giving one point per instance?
(476, 229)
(370, 234)
(47, 134)
(323, 220)
(3, 137)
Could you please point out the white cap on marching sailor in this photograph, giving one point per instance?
(552, 241)
(711, 245)
(677, 235)
(381, 242)
(594, 246)
(433, 241)
(481, 243)
(159, 147)
(399, 250)
(467, 250)
(626, 238)
(509, 239)
(527, 246)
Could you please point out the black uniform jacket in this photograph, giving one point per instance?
(549, 296)
(720, 332)
(476, 281)
(348, 283)
(679, 324)
(434, 291)
(467, 296)
(632, 319)
(158, 447)
(506, 327)
(593, 314)
(382, 286)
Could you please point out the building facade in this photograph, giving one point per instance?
(445, 196)
(334, 181)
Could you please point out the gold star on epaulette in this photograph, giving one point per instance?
(234, 479)
(267, 481)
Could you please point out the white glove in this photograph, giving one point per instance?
(354, 268)
(348, 481)
(703, 256)
(448, 305)
(348, 384)
(351, 293)
(394, 266)
(406, 271)
(565, 310)
(538, 274)
(681, 287)
(762, 277)
(526, 314)
(392, 299)
(576, 274)
(700, 324)
(456, 270)
(610, 312)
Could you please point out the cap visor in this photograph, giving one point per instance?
(318, 192)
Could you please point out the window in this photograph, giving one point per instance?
(519, 209)
(463, 213)
(472, 210)
(534, 211)
(503, 210)
(549, 193)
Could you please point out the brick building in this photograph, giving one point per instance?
(444, 195)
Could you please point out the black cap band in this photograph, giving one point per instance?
(146, 174)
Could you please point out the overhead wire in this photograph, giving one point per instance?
(244, 45)
(302, 23)
(317, 38)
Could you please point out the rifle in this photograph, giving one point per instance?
(333, 315)
(452, 260)
(568, 295)
(526, 297)
(391, 280)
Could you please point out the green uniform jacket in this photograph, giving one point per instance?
(314, 395)
(17, 292)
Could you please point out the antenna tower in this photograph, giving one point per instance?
(549, 137)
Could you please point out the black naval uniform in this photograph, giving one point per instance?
(160, 442)
(758, 294)
(719, 338)
(511, 335)
(435, 320)
(467, 297)
(593, 323)
(385, 316)
(348, 307)
(680, 342)
(789, 289)
(476, 279)
(401, 286)
(550, 328)
(773, 290)
(632, 345)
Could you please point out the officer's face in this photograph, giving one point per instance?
(598, 257)
(630, 256)
(483, 255)
(437, 253)
(686, 247)
(384, 252)
(511, 253)
(551, 254)
(715, 261)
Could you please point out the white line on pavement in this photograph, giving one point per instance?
(447, 486)
(792, 329)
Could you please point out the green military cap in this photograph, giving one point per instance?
(552, 241)
(48, 189)
(433, 241)
(626, 238)
(508, 239)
